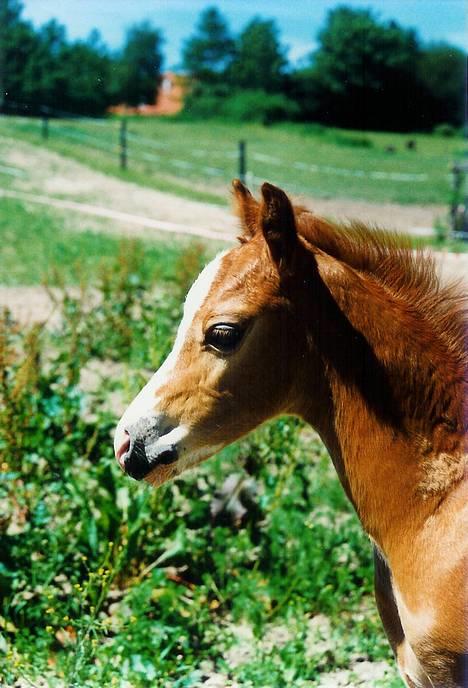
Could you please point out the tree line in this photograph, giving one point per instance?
(41, 70)
(366, 73)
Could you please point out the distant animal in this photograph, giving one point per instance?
(350, 330)
(411, 144)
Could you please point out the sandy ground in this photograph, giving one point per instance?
(452, 266)
(39, 171)
(29, 305)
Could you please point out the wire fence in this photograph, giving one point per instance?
(215, 166)
(131, 149)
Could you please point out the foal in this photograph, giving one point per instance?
(346, 329)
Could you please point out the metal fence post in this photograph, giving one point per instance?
(242, 161)
(123, 144)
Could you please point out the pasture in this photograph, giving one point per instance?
(108, 582)
(198, 160)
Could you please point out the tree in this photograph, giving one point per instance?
(364, 74)
(86, 67)
(260, 59)
(43, 71)
(207, 55)
(66, 77)
(442, 71)
(139, 68)
(17, 42)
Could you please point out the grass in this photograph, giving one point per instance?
(35, 248)
(198, 159)
(444, 244)
(104, 581)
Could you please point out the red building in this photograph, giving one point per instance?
(169, 98)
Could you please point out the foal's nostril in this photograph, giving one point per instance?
(137, 464)
(167, 455)
(166, 429)
(142, 458)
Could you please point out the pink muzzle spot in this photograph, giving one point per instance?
(122, 450)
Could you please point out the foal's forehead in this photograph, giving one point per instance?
(201, 288)
(229, 274)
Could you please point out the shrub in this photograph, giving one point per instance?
(240, 106)
(203, 106)
(446, 130)
(352, 141)
(259, 106)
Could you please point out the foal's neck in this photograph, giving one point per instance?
(372, 372)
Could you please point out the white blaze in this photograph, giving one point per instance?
(145, 403)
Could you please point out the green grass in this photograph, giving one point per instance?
(199, 159)
(444, 244)
(35, 248)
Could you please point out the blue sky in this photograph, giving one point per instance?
(299, 20)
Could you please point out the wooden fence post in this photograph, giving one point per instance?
(123, 144)
(242, 161)
(459, 204)
(45, 127)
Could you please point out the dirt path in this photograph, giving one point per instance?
(43, 173)
(452, 266)
(34, 169)
(96, 211)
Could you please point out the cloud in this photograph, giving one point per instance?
(299, 50)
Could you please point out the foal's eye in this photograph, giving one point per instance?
(224, 338)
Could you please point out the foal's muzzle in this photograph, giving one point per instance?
(140, 452)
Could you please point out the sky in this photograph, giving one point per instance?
(298, 20)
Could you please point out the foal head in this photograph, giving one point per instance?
(233, 359)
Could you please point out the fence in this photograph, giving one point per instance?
(210, 165)
(459, 205)
(127, 146)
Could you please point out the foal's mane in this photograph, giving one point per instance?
(409, 275)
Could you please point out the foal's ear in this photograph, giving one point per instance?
(246, 207)
(278, 224)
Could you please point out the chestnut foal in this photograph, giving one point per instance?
(352, 332)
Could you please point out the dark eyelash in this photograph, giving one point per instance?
(224, 337)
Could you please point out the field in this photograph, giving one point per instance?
(251, 572)
(198, 159)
